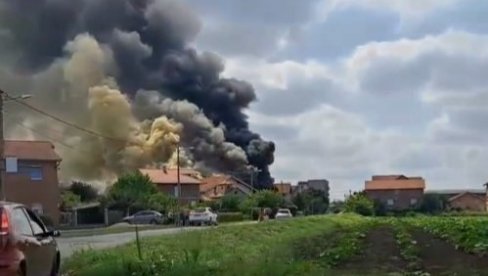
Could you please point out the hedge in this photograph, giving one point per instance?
(230, 217)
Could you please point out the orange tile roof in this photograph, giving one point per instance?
(283, 188)
(31, 150)
(403, 184)
(160, 177)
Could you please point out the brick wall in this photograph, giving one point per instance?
(20, 188)
(402, 199)
(189, 192)
(468, 202)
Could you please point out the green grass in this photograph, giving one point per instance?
(469, 233)
(109, 230)
(258, 249)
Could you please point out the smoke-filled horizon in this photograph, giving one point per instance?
(124, 68)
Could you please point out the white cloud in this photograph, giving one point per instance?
(407, 9)
(445, 73)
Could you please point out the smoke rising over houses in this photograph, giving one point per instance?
(124, 69)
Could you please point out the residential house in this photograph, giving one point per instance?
(466, 200)
(167, 182)
(216, 186)
(284, 189)
(314, 184)
(396, 192)
(31, 176)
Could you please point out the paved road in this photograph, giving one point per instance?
(68, 246)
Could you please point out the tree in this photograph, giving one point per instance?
(337, 206)
(230, 203)
(86, 192)
(131, 190)
(268, 199)
(433, 203)
(312, 201)
(300, 201)
(161, 202)
(360, 204)
(69, 200)
(379, 208)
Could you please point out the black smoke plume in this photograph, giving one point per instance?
(149, 40)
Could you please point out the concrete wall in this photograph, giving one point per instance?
(401, 198)
(20, 188)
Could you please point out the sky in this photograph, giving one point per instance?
(350, 88)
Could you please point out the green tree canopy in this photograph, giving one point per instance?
(86, 192)
(230, 203)
(433, 203)
(161, 202)
(312, 201)
(360, 204)
(131, 190)
(69, 200)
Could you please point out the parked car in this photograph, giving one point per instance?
(145, 217)
(203, 216)
(27, 246)
(283, 214)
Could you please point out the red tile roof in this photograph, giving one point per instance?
(31, 150)
(160, 177)
(213, 181)
(400, 182)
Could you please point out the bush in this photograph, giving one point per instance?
(230, 203)
(360, 204)
(230, 217)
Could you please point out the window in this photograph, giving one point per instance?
(35, 172)
(21, 222)
(413, 201)
(35, 222)
(390, 202)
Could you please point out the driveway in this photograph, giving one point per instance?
(68, 246)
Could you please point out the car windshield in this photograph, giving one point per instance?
(283, 211)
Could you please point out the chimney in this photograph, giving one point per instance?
(165, 170)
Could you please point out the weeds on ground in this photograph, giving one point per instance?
(232, 250)
(467, 233)
(408, 247)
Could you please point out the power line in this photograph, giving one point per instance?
(91, 132)
(43, 134)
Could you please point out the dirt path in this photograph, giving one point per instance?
(380, 256)
(441, 258)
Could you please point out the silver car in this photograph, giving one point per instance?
(283, 214)
(145, 217)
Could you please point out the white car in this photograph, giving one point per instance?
(283, 214)
(203, 216)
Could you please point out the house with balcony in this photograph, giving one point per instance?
(218, 185)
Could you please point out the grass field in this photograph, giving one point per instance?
(322, 245)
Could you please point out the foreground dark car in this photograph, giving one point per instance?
(27, 247)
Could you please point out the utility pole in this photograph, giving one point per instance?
(178, 182)
(3, 167)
